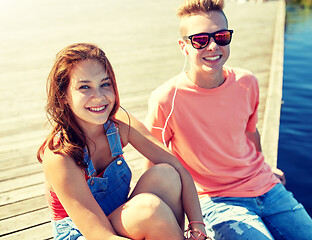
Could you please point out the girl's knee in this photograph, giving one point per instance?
(163, 181)
(166, 176)
(150, 208)
(146, 216)
(143, 216)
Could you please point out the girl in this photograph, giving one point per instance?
(87, 179)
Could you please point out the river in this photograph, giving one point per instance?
(295, 141)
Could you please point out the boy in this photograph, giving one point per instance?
(208, 115)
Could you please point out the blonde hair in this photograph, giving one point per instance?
(194, 7)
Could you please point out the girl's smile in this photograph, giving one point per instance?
(98, 109)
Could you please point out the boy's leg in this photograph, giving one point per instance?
(227, 218)
(284, 216)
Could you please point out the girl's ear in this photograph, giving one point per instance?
(182, 47)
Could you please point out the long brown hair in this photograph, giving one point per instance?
(71, 139)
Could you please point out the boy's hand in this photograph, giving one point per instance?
(280, 175)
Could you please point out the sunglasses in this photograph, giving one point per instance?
(201, 40)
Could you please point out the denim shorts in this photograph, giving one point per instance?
(65, 229)
(273, 215)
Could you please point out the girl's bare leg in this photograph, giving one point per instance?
(154, 210)
(165, 182)
(146, 216)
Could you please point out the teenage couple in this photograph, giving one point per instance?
(207, 115)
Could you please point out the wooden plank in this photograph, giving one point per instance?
(20, 194)
(21, 182)
(22, 207)
(27, 220)
(21, 140)
(40, 231)
(21, 171)
(17, 160)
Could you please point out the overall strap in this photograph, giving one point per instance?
(114, 141)
(90, 170)
(113, 137)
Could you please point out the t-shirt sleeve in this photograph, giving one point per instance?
(156, 118)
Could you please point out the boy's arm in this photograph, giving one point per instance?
(255, 138)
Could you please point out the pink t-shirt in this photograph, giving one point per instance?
(207, 133)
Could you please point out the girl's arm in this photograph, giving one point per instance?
(68, 182)
(149, 146)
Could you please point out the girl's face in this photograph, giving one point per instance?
(90, 94)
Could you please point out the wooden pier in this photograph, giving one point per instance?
(140, 39)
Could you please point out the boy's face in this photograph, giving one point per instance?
(212, 57)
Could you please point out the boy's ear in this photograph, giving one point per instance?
(182, 47)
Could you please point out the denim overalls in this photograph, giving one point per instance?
(110, 190)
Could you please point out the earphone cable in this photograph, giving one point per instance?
(172, 105)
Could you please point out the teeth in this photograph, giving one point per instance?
(212, 58)
(97, 109)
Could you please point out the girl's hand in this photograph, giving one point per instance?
(199, 238)
(196, 231)
(196, 235)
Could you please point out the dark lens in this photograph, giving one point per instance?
(200, 41)
(223, 38)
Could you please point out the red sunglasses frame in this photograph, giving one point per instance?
(197, 45)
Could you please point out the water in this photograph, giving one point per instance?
(295, 142)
